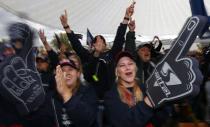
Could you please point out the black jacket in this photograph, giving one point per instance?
(102, 66)
(9, 115)
(48, 80)
(145, 69)
(54, 59)
(79, 111)
(119, 114)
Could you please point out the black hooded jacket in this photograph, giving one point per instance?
(101, 67)
(79, 111)
(120, 114)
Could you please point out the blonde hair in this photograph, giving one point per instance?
(126, 96)
(79, 61)
(63, 56)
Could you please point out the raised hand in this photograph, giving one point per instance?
(176, 76)
(44, 40)
(61, 86)
(132, 25)
(42, 36)
(130, 10)
(64, 19)
(156, 37)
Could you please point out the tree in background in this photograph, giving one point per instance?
(61, 43)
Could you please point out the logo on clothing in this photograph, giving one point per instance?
(176, 76)
(167, 73)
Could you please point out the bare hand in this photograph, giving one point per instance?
(61, 86)
(147, 101)
(156, 37)
(132, 25)
(130, 10)
(42, 36)
(64, 19)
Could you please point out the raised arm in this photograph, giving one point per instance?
(53, 56)
(119, 38)
(81, 106)
(76, 44)
(44, 40)
(130, 44)
(158, 48)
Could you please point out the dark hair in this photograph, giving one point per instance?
(95, 39)
(149, 46)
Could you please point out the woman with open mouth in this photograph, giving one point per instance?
(125, 104)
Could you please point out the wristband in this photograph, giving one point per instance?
(65, 27)
(126, 18)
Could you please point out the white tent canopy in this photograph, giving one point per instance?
(153, 17)
(163, 18)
